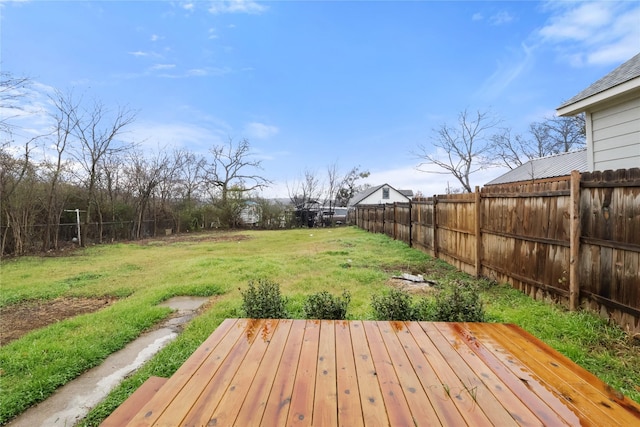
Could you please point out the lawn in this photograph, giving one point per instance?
(303, 262)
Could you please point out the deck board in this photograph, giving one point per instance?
(253, 372)
(349, 405)
(255, 401)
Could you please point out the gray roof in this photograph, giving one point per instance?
(625, 72)
(369, 191)
(546, 167)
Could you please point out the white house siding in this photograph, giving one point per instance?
(375, 198)
(615, 132)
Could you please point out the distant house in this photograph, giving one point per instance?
(557, 165)
(612, 109)
(380, 194)
(250, 213)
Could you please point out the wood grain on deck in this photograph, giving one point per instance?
(363, 373)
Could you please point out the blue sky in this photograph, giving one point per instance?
(313, 83)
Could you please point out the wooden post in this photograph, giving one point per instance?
(435, 226)
(395, 220)
(574, 242)
(410, 226)
(478, 232)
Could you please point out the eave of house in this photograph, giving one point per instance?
(606, 96)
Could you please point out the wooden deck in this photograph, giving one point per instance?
(364, 373)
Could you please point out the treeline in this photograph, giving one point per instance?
(82, 167)
(124, 195)
(81, 181)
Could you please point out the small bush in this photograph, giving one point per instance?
(394, 305)
(459, 302)
(262, 300)
(323, 305)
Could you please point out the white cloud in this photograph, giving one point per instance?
(593, 32)
(501, 18)
(506, 72)
(212, 34)
(163, 66)
(155, 37)
(260, 130)
(236, 6)
(477, 17)
(152, 134)
(138, 53)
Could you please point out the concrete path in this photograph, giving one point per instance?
(72, 402)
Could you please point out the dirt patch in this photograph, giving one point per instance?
(18, 319)
(193, 237)
(412, 288)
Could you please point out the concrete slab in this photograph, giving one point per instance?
(72, 402)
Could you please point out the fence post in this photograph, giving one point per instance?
(478, 213)
(395, 220)
(574, 242)
(435, 226)
(410, 226)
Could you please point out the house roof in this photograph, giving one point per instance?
(624, 78)
(369, 191)
(546, 167)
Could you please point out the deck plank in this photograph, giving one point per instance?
(349, 406)
(575, 385)
(543, 405)
(490, 391)
(519, 371)
(325, 403)
(419, 404)
(253, 372)
(209, 398)
(443, 405)
(232, 399)
(210, 354)
(301, 411)
(255, 402)
(373, 409)
(397, 407)
(583, 407)
(449, 381)
(279, 401)
(471, 383)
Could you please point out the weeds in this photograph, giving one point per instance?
(394, 305)
(459, 302)
(323, 305)
(263, 300)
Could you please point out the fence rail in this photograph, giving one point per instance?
(574, 240)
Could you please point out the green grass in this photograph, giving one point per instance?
(303, 262)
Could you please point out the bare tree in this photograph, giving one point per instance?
(97, 131)
(18, 183)
(460, 150)
(233, 172)
(565, 133)
(349, 186)
(63, 115)
(551, 136)
(308, 191)
(233, 166)
(510, 150)
(306, 196)
(145, 175)
(12, 90)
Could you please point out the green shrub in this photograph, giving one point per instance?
(262, 300)
(323, 305)
(459, 302)
(394, 305)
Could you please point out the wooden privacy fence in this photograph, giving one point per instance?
(575, 240)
